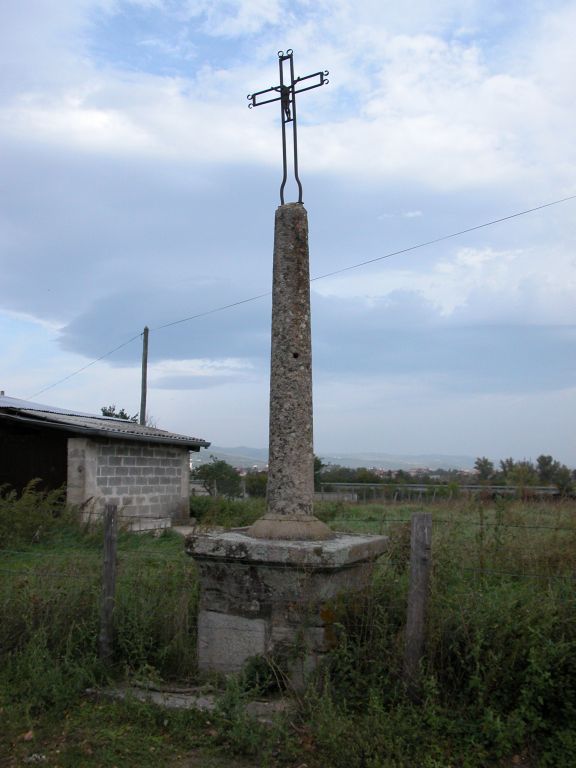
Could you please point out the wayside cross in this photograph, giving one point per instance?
(287, 91)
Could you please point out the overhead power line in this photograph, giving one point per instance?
(444, 237)
(399, 252)
(156, 328)
(84, 367)
(211, 311)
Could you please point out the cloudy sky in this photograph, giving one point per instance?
(138, 189)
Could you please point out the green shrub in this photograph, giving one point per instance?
(229, 513)
(32, 516)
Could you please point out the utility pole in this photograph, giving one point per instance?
(144, 375)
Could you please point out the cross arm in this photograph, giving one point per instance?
(323, 80)
(258, 98)
(253, 97)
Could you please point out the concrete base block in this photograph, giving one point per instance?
(274, 598)
(226, 641)
(144, 524)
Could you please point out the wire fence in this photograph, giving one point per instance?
(74, 560)
(89, 553)
(394, 492)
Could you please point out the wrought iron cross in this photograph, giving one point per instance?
(287, 98)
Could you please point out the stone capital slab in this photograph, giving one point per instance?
(343, 551)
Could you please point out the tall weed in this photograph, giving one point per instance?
(229, 513)
(31, 516)
(50, 613)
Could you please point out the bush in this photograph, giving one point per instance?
(218, 478)
(229, 513)
(256, 484)
(32, 516)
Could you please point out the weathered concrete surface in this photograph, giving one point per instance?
(290, 493)
(341, 551)
(226, 641)
(274, 598)
(179, 697)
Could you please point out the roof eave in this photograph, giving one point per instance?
(191, 445)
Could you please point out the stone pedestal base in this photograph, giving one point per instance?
(273, 598)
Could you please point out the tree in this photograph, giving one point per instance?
(563, 479)
(547, 469)
(110, 410)
(402, 477)
(256, 484)
(218, 478)
(318, 467)
(484, 468)
(523, 474)
(507, 467)
(364, 475)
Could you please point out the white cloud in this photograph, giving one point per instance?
(231, 18)
(203, 368)
(530, 285)
(402, 214)
(433, 110)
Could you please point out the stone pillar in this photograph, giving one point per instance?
(266, 590)
(289, 508)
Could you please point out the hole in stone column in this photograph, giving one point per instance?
(295, 355)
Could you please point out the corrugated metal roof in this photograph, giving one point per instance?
(90, 424)
(15, 402)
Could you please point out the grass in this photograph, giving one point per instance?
(499, 677)
(92, 734)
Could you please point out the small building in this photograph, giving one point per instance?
(101, 460)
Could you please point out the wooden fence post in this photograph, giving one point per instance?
(108, 583)
(420, 567)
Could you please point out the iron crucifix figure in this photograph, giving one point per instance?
(287, 98)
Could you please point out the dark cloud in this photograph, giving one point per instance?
(404, 337)
(239, 332)
(78, 228)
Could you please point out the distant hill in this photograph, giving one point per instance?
(243, 456)
(401, 461)
(238, 457)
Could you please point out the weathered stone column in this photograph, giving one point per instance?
(268, 590)
(289, 509)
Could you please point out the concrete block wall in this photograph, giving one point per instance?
(148, 482)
